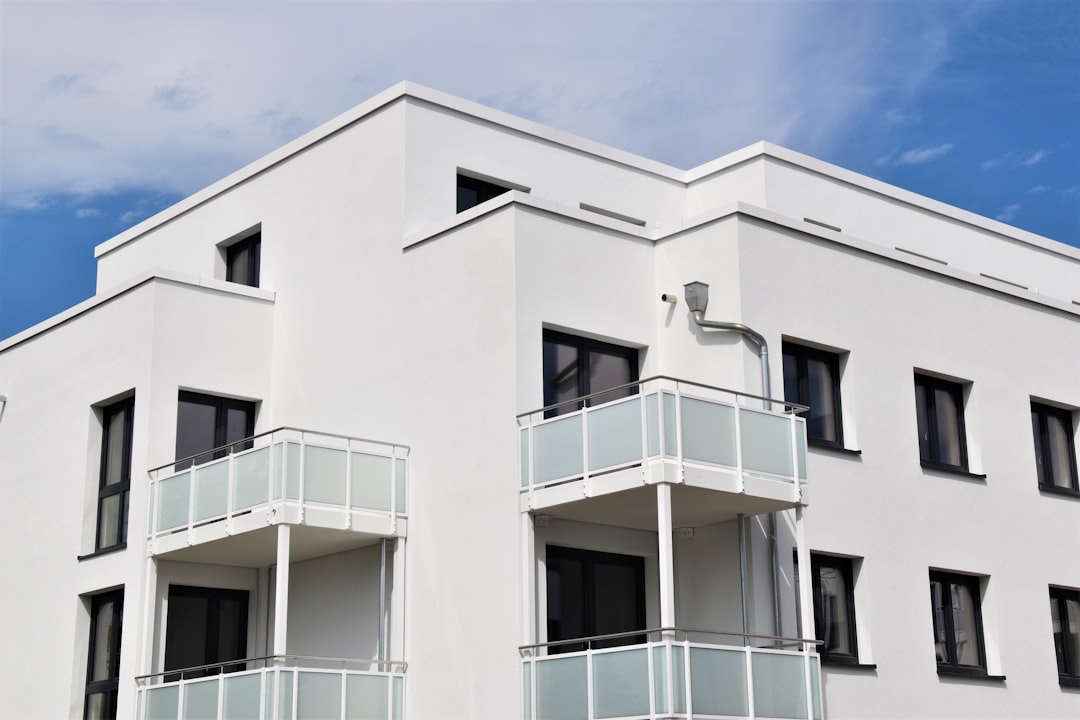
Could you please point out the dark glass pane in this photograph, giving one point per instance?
(821, 398)
(607, 371)
(835, 611)
(466, 198)
(96, 707)
(238, 424)
(109, 520)
(195, 429)
(965, 625)
(238, 266)
(1072, 630)
(186, 632)
(114, 470)
(941, 643)
(922, 411)
(947, 412)
(1059, 634)
(617, 589)
(791, 378)
(565, 600)
(560, 375)
(102, 651)
(1040, 452)
(1059, 447)
(232, 631)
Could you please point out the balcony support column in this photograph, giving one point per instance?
(664, 532)
(742, 579)
(281, 589)
(528, 579)
(806, 595)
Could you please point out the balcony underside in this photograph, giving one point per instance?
(627, 497)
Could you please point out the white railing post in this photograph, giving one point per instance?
(348, 488)
(230, 489)
(589, 689)
(750, 682)
(738, 445)
(586, 488)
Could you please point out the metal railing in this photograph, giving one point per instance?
(671, 674)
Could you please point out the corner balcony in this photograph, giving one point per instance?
(285, 687)
(338, 492)
(726, 452)
(669, 677)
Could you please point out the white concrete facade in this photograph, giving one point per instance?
(393, 327)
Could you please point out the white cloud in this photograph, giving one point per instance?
(1009, 213)
(87, 212)
(1034, 158)
(1016, 159)
(1037, 189)
(918, 156)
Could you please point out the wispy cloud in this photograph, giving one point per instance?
(1009, 213)
(1016, 159)
(1034, 158)
(918, 156)
(896, 116)
(64, 83)
(87, 212)
(180, 95)
(1037, 189)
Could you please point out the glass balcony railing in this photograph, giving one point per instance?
(284, 688)
(340, 479)
(667, 677)
(668, 421)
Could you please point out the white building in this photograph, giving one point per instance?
(373, 319)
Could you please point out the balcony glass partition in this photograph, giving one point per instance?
(669, 421)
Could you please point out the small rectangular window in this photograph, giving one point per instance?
(115, 474)
(1065, 615)
(939, 405)
(472, 191)
(242, 260)
(1055, 452)
(210, 427)
(812, 377)
(103, 664)
(957, 618)
(834, 608)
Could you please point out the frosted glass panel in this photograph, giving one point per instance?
(659, 665)
(250, 474)
(708, 432)
(285, 694)
(366, 697)
(671, 446)
(292, 472)
(779, 686)
(370, 481)
(162, 702)
(678, 677)
(621, 683)
(399, 698)
(815, 685)
(526, 691)
(324, 475)
(242, 696)
(524, 436)
(800, 445)
(718, 682)
(400, 477)
(173, 503)
(211, 490)
(615, 434)
(766, 442)
(200, 700)
(652, 425)
(557, 449)
(318, 696)
(561, 692)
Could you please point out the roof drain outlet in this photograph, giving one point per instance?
(697, 299)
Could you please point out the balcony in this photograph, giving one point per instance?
(323, 484)
(668, 677)
(747, 452)
(284, 688)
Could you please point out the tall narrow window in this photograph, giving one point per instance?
(594, 593)
(1065, 615)
(205, 626)
(834, 608)
(115, 474)
(939, 405)
(103, 665)
(958, 638)
(1055, 453)
(812, 377)
(473, 191)
(576, 366)
(242, 261)
(210, 423)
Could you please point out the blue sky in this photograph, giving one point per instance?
(111, 111)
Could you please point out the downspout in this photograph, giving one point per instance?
(766, 392)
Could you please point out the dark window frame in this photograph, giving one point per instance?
(948, 631)
(109, 686)
(1046, 462)
(845, 566)
(484, 190)
(801, 354)
(252, 245)
(123, 487)
(221, 407)
(585, 346)
(932, 458)
(1067, 663)
(214, 596)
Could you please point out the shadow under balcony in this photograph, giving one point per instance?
(337, 492)
(724, 452)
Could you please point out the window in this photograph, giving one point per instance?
(834, 608)
(1065, 615)
(958, 638)
(207, 422)
(242, 260)
(1055, 454)
(115, 475)
(103, 665)
(205, 626)
(939, 405)
(576, 366)
(812, 377)
(594, 593)
(473, 191)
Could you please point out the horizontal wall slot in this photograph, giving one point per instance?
(611, 214)
(826, 225)
(1003, 280)
(924, 257)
